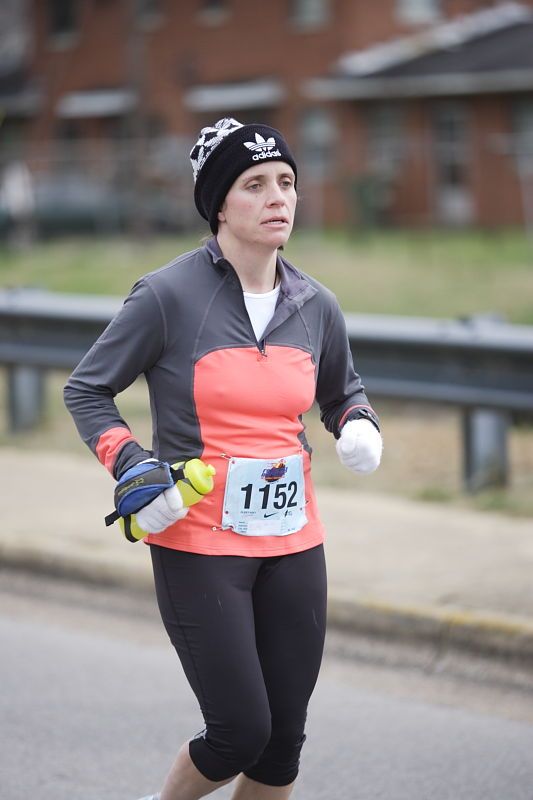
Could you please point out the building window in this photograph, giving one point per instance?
(148, 7)
(62, 18)
(67, 130)
(418, 12)
(522, 135)
(214, 5)
(316, 155)
(450, 135)
(114, 128)
(452, 193)
(318, 136)
(13, 138)
(69, 138)
(148, 13)
(213, 12)
(386, 140)
(310, 13)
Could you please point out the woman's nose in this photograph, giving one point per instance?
(275, 195)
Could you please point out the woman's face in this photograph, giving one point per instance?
(259, 207)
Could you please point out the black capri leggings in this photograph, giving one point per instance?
(249, 633)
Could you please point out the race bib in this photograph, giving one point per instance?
(265, 497)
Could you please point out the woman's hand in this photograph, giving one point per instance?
(165, 510)
(360, 445)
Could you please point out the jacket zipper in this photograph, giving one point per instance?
(261, 346)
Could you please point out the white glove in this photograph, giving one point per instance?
(360, 445)
(166, 509)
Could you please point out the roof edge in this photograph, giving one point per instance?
(453, 33)
(418, 86)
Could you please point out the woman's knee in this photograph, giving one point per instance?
(279, 762)
(226, 749)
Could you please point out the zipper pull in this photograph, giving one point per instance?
(262, 351)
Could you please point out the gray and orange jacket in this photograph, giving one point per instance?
(215, 391)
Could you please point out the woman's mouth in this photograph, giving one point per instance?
(275, 221)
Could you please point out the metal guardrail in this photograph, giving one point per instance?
(44, 329)
(475, 362)
(482, 365)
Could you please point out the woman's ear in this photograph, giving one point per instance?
(221, 216)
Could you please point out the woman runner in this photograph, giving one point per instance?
(236, 344)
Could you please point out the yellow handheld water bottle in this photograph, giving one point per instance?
(193, 479)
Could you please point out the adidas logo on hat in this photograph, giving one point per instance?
(264, 148)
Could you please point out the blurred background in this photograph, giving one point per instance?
(412, 125)
(401, 112)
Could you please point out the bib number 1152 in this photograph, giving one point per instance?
(282, 495)
(264, 497)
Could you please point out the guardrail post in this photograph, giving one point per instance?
(25, 397)
(486, 461)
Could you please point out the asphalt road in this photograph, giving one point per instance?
(93, 706)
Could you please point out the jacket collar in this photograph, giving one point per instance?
(293, 284)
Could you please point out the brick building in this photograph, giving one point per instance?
(410, 112)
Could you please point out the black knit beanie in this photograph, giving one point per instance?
(225, 151)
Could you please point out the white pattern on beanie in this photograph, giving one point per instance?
(209, 139)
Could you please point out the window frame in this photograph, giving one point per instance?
(62, 39)
(385, 153)
(522, 132)
(302, 22)
(318, 140)
(419, 12)
(213, 12)
(148, 18)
